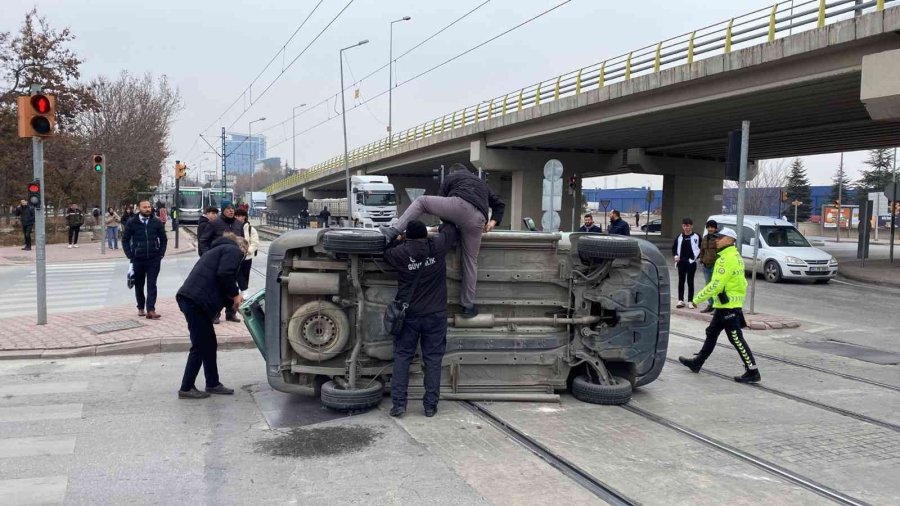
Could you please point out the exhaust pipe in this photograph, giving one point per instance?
(484, 321)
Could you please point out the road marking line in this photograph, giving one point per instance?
(39, 413)
(27, 491)
(37, 446)
(69, 387)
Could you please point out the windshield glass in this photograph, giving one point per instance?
(190, 199)
(784, 237)
(215, 198)
(380, 199)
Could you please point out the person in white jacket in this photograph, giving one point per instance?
(686, 252)
(252, 237)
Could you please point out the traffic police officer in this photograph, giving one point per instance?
(727, 288)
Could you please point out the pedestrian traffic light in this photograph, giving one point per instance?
(37, 115)
(34, 193)
(99, 163)
(180, 170)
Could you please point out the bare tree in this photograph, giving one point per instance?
(764, 190)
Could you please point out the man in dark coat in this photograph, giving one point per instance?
(212, 212)
(211, 285)
(324, 217)
(226, 222)
(26, 218)
(617, 225)
(465, 200)
(144, 243)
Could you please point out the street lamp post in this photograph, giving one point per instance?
(294, 129)
(391, 79)
(252, 157)
(344, 118)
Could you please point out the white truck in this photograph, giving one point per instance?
(374, 203)
(256, 201)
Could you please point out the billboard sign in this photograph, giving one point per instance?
(830, 214)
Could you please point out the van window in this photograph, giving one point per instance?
(747, 235)
(783, 237)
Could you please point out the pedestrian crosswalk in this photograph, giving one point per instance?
(70, 287)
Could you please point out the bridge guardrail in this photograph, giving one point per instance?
(763, 25)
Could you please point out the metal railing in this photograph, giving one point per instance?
(764, 25)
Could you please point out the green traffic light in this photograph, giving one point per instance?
(98, 168)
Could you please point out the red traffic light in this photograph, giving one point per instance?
(40, 103)
(34, 188)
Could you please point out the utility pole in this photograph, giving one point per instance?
(294, 136)
(390, 80)
(892, 205)
(344, 120)
(40, 225)
(103, 203)
(224, 164)
(742, 184)
(837, 219)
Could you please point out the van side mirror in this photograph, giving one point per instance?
(753, 242)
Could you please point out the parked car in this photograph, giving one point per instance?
(784, 253)
(558, 311)
(652, 226)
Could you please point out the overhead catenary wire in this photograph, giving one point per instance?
(432, 69)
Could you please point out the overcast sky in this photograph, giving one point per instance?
(213, 49)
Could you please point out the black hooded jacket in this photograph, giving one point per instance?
(215, 229)
(469, 187)
(213, 280)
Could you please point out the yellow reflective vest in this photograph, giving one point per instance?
(728, 277)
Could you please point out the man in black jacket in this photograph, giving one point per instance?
(426, 317)
(212, 212)
(211, 285)
(324, 217)
(144, 243)
(26, 218)
(465, 200)
(226, 222)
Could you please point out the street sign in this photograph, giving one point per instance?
(796, 203)
(414, 193)
(605, 204)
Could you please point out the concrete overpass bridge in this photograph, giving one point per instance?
(821, 77)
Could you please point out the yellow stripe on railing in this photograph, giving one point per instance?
(772, 23)
(537, 96)
(503, 111)
(822, 6)
(491, 109)
(601, 78)
(520, 99)
(578, 83)
(690, 55)
(879, 5)
(656, 60)
(556, 89)
(628, 67)
(728, 36)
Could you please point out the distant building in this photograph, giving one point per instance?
(268, 164)
(243, 152)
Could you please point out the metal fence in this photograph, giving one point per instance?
(760, 26)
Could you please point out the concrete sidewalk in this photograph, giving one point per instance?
(70, 335)
(756, 321)
(88, 251)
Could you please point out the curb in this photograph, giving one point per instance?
(141, 347)
(752, 323)
(863, 279)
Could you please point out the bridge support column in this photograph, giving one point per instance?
(689, 197)
(880, 88)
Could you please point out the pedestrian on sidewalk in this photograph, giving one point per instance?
(617, 225)
(210, 214)
(708, 252)
(216, 228)
(211, 285)
(637, 219)
(589, 225)
(686, 251)
(728, 288)
(421, 268)
(470, 204)
(324, 217)
(144, 243)
(303, 218)
(25, 213)
(162, 213)
(74, 220)
(112, 228)
(128, 214)
(252, 237)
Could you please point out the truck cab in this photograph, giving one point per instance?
(582, 312)
(374, 201)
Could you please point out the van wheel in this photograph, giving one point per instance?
(587, 391)
(362, 399)
(607, 247)
(318, 330)
(772, 271)
(354, 241)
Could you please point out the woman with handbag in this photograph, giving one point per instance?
(418, 314)
(252, 236)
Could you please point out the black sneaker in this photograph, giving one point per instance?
(430, 411)
(691, 363)
(390, 233)
(470, 311)
(233, 318)
(397, 411)
(751, 376)
(707, 309)
(130, 282)
(192, 394)
(220, 389)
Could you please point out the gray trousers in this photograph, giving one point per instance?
(470, 223)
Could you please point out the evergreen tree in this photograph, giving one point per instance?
(878, 175)
(797, 188)
(840, 178)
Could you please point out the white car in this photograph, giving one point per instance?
(784, 253)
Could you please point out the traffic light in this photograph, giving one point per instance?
(37, 115)
(573, 183)
(784, 196)
(733, 156)
(180, 170)
(99, 163)
(34, 193)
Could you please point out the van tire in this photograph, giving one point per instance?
(354, 241)
(318, 330)
(352, 401)
(587, 391)
(772, 271)
(607, 247)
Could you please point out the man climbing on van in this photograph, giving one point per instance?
(728, 289)
(465, 200)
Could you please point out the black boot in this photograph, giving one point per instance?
(751, 376)
(397, 411)
(390, 233)
(694, 364)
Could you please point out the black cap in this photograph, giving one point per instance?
(416, 230)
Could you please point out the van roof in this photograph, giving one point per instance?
(750, 220)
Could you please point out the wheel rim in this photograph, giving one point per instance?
(771, 272)
(318, 331)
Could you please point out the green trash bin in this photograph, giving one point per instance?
(254, 311)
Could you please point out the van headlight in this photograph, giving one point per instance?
(833, 261)
(794, 260)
